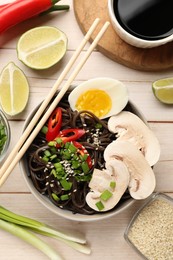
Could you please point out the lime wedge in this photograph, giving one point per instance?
(42, 47)
(14, 90)
(163, 90)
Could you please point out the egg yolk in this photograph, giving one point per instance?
(96, 101)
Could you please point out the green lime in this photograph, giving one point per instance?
(163, 90)
(14, 90)
(42, 47)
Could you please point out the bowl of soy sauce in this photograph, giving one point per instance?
(142, 23)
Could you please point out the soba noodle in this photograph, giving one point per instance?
(95, 140)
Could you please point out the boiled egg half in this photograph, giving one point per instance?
(103, 97)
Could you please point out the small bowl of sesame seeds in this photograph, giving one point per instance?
(150, 232)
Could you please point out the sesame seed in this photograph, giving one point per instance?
(152, 230)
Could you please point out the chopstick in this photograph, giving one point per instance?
(28, 136)
(51, 94)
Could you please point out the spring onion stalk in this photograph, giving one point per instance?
(76, 241)
(83, 248)
(30, 238)
(56, 8)
(36, 225)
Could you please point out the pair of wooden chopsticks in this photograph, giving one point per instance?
(31, 131)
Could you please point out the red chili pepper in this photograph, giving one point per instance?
(2, 6)
(82, 150)
(70, 134)
(21, 10)
(54, 124)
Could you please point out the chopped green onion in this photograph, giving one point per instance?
(113, 184)
(100, 205)
(83, 157)
(85, 167)
(55, 197)
(45, 158)
(44, 129)
(52, 157)
(72, 148)
(47, 153)
(3, 136)
(67, 145)
(75, 164)
(66, 184)
(85, 178)
(66, 155)
(64, 197)
(75, 156)
(59, 176)
(52, 143)
(59, 140)
(58, 165)
(53, 171)
(98, 126)
(53, 149)
(106, 195)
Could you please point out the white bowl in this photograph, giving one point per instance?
(66, 213)
(5, 123)
(131, 39)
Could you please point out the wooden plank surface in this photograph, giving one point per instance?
(114, 47)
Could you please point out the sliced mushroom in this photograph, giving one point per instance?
(142, 179)
(128, 126)
(114, 179)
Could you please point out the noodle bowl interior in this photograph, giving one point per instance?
(63, 173)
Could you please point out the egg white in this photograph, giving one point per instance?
(116, 90)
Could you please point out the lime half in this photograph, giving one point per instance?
(42, 47)
(14, 90)
(163, 90)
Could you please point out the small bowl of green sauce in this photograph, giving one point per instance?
(5, 136)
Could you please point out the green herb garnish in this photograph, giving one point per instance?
(66, 184)
(64, 197)
(100, 205)
(113, 184)
(3, 136)
(106, 195)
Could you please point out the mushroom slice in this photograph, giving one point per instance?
(108, 185)
(142, 179)
(130, 127)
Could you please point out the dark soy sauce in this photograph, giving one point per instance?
(146, 19)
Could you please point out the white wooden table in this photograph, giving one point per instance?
(106, 236)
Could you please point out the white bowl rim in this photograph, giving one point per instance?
(138, 41)
(8, 132)
(66, 213)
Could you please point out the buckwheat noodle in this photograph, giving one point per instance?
(95, 141)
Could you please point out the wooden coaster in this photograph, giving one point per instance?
(112, 46)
